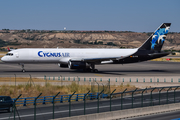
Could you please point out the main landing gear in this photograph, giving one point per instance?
(93, 70)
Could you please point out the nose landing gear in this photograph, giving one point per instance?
(23, 70)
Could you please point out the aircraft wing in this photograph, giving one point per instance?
(96, 60)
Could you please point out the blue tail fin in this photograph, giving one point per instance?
(156, 40)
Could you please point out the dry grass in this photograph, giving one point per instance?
(165, 59)
(1, 56)
(122, 87)
(32, 91)
(22, 79)
(2, 53)
(49, 90)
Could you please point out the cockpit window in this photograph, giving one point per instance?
(9, 54)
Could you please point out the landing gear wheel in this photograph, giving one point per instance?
(94, 71)
(23, 70)
(93, 68)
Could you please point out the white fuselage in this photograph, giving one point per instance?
(55, 55)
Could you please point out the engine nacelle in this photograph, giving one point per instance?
(76, 65)
(63, 65)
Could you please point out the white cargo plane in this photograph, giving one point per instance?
(86, 59)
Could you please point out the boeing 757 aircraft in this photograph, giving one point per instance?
(86, 59)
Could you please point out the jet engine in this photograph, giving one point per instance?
(63, 65)
(76, 65)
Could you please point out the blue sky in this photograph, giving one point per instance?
(117, 15)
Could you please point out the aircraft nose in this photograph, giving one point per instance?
(3, 59)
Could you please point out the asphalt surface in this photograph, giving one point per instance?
(175, 115)
(77, 108)
(148, 68)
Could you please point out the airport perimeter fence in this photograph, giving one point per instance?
(113, 80)
(112, 102)
(26, 101)
(93, 81)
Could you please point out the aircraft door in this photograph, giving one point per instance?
(17, 55)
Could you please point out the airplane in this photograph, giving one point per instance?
(86, 59)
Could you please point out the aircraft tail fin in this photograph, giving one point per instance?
(156, 40)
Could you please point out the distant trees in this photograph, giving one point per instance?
(4, 43)
(98, 42)
(5, 31)
(111, 43)
(77, 41)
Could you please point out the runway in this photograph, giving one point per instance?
(148, 68)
